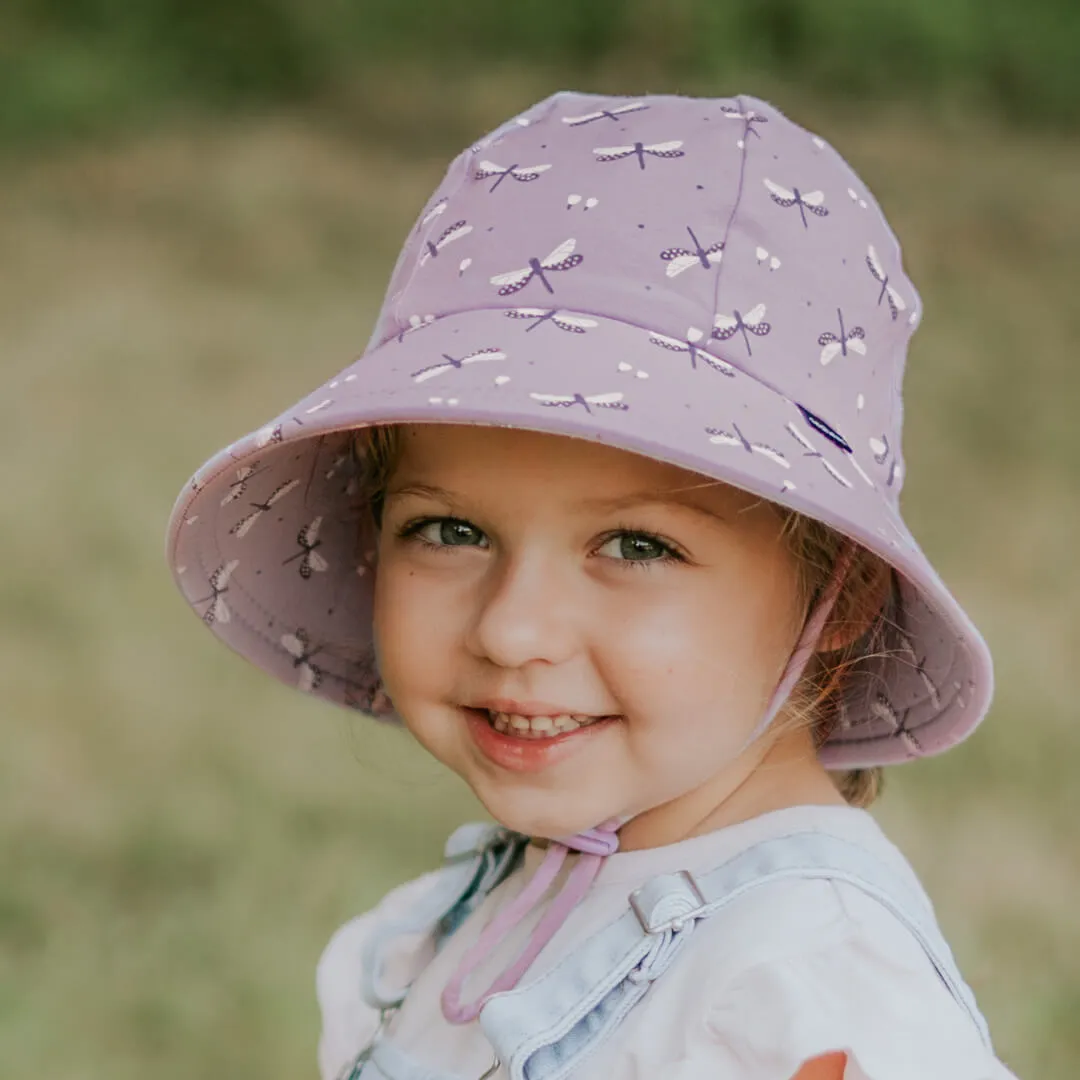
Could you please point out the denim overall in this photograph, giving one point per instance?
(546, 1029)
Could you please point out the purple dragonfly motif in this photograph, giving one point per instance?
(311, 562)
(752, 322)
(639, 150)
(566, 401)
(805, 200)
(243, 526)
(833, 345)
(829, 432)
(239, 486)
(750, 117)
(217, 610)
(299, 647)
(601, 114)
(572, 324)
(438, 208)
(522, 173)
(736, 438)
(877, 271)
(680, 258)
(562, 258)
(690, 345)
(455, 232)
(454, 363)
(881, 708)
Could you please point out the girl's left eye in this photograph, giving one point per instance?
(638, 549)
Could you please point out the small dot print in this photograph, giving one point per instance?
(641, 226)
(701, 187)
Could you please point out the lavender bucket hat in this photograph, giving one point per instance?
(700, 281)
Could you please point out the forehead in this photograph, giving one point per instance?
(474, 461)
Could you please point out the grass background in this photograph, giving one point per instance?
(179, 836)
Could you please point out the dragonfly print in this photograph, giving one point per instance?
(522, 173)
(639, 151)
(833, 345)
(572, 324)
(877, 271)
(750, 118)
(753, 322)
(562, 258)
(244, 525)
(438, 208)
(239, 486)
(299, 647)
(453, 363)
(311, 562)
(586, 401)
(690, 345)
(604, 114)
(736, 438)
(217, 610)
(455, 232)
(881, 708)
(809, 200)
(680, 258)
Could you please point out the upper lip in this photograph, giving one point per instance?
(529, 708)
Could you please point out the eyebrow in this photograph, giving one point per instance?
(620, 502)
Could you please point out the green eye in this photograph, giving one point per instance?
(445, 532)
(635, 547)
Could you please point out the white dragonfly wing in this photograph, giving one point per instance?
(875, 263)
(754, 315)
(561, 252)
(306, 682)
(680, 263)
(244, 526)
(473, 358)
(665, 147)
(220, 610)
(898, 301)
(553, 398)
(455, 233)
(292, 645)
(857, 345)
(778, 191)
(577, 320)
(725, 322)
(431, 372)
(282, 492)
(830, 352)
(511, 277)
(535, 169)
(604, 399)
(583, 119)
(813, 198)
(529, 312)
(771, 454)
(669, 342)
(489, 168)
(613, 151)
(724, 438)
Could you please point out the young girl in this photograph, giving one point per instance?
(607, 516)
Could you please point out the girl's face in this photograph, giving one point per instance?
(524, 573)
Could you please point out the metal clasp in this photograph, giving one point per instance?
(668, 902)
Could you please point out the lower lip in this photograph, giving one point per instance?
(527, 755)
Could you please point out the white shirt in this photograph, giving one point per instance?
(792, 970)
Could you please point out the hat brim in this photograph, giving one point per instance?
(268, 541)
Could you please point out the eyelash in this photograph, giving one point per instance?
(410, 532)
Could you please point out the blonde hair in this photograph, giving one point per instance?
(859, 618)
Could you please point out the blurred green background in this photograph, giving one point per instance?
(200, 204)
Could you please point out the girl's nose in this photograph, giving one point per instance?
(526, 613)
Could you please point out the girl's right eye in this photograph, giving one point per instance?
(442, 533)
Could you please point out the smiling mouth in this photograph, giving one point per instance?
(539, 727)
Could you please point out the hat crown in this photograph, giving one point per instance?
(717, 226)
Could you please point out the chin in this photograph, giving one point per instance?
(538, 814)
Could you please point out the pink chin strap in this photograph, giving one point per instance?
(598, 843)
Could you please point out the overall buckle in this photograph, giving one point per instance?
(668, 902)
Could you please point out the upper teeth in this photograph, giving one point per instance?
(538, 726)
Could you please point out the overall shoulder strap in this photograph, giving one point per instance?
(546, 1029)
(478, 857)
